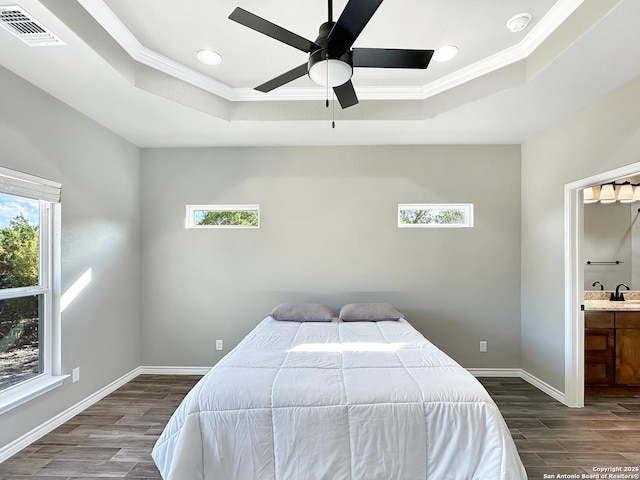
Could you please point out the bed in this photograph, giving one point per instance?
(337, 400)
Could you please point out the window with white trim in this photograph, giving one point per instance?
(435, 215)
(28, 205)
(223, 216)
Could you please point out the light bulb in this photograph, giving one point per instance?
(591, 194)
(608, 193)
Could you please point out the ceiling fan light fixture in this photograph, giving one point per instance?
(519, 22)
(209, 57)
(444, 54)
(338, 73)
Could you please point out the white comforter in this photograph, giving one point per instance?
(337, 401)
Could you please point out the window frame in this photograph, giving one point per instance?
(245, 207)
(48, 288)
(466, 208)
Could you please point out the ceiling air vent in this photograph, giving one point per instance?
(17, 21)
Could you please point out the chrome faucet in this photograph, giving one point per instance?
(598, 283)
(619, 297)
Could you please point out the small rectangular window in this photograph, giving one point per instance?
(435, 215)
(223, 216)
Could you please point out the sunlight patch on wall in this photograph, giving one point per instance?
(74, 290)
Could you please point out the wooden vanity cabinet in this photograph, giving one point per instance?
(627, 361)
(612, 349)
(599, 348)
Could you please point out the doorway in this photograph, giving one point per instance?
(574, 278)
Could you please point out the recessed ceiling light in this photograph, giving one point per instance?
(519, 22)
(444, 54)
(209, 57)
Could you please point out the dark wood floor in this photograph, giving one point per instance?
(113, 438)
(110, 440)
(553, 439)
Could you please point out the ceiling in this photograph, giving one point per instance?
(131, 66)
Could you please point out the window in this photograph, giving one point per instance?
(223, 216)
(435, 215)
(27, 206)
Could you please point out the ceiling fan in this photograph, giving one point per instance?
(331, 58)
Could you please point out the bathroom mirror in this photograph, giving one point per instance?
(611, 243)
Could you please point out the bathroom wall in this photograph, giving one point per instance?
(607, 238)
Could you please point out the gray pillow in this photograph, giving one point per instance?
(302, 312)
(369, 312)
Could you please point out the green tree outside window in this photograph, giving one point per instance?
(232, 217)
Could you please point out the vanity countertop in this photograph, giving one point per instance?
(604, 305)
(599, 301)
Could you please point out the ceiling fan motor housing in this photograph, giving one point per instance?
(329, 65)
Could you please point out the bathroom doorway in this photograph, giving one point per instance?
(574, 278)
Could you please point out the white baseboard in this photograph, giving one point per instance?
(495, 372)
(174, 370)
(524, 375)
(53, 423)
(545, 387)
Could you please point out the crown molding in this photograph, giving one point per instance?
(320, 93)
(538, 34)
(119, 32)
(558, 13)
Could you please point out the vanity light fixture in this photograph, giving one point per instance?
(625, 192)
(592, 194)
(608, 193)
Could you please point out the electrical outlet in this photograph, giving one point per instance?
(483, 345)
(218, 344)
(75, 375)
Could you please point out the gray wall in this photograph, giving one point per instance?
(607, 238)
(603, 136)
(329, 234)
(100, 176)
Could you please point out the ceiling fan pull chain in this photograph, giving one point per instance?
(327, 57)
(333, 112)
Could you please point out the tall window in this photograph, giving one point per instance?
(26, 279)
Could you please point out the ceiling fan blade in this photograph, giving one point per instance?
(272, 30)
(352, 21)
(391, 58)
(284, 78)
(346, 95)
